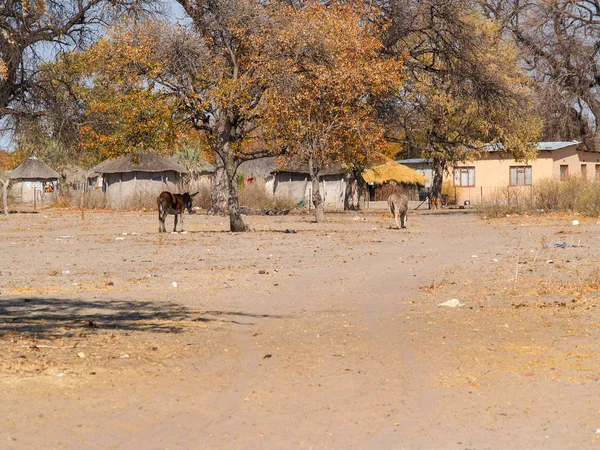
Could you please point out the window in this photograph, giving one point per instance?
(564, 172)
(520, 175)
(584, 171)
(464, 176)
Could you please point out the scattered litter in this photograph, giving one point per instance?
(124, 356)
(66, 272)
(549, 262)
(452, 303)
(60, 374)
(261, 272)
(125, 234)
(81, 354)
(184, 232)
(64, 237)
(174, 284)
(473, 256)
(119, 238)
(290, 231)
(134, 234)
(597, 430)
(563, 245)
(495, 260)
(267, 356)
(575, 222)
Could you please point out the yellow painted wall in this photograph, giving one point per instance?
(493, 173)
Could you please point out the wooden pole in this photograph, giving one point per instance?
(5, 184)
(83, 203)
(35, 199)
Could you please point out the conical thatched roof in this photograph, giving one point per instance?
(34, 168)
(392, 171)
(302, 167)
(143, 162)
(261, 167)
(202, 167)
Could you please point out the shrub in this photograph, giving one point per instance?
(575, 195)
(255, 196)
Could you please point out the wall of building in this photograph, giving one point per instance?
(492, 172)
(121, 188)
(25, 189)
(298, 187)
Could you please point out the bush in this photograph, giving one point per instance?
(574, 195)
(254, 196)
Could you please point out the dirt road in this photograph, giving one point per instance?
(326, 337)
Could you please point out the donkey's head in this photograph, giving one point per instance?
(187, 201)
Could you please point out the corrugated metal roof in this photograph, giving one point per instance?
(550, 146)
(414, 161)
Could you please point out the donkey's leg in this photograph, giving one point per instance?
(403, 219)
(181, 217)
(175, 224)
(396, 215)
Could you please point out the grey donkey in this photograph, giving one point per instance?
(398, 206)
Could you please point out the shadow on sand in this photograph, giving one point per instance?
(47, 317)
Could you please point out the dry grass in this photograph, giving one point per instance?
(574, 195)
(254, 196)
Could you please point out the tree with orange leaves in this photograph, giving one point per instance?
(328, 72)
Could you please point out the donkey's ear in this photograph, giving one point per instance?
(194, 194)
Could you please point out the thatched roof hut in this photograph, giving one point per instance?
(132, 177)
(393, 177)
(392, 171)
(34, 181)
(33, 168)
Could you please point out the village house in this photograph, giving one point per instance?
(33, 182)
(494, 169)
(144, 174)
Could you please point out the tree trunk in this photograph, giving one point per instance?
(351, 198)
(316, 191)
(5, 195)
(439, 166)
(236, 222)
(220, 189)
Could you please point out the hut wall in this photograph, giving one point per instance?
(25, 189)
(334, 190)
(298, 187)
(295, 186)
(123, 187)
(383, 191)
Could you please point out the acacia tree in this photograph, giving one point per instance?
(328, 73)
(464, 87)
(214, 69)
(559, 44)
(25, 26)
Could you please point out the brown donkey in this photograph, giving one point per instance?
(175, 204)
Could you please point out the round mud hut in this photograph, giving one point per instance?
(33, 181)
(137, 179)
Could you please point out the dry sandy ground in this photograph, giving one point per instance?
(330, 337)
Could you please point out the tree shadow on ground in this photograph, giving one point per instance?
(46, 317)
(225, 316)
